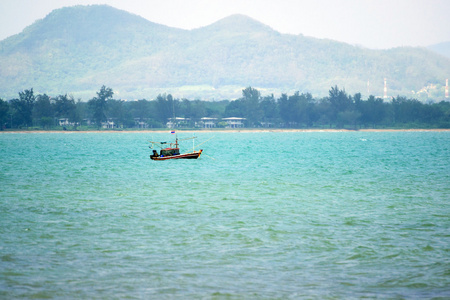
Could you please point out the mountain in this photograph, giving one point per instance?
(441, 48)
(78, 49)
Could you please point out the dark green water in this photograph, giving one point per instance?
(273, 216)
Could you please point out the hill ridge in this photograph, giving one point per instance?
(238, 22)
(77, 49)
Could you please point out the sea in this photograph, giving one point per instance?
(260, 215)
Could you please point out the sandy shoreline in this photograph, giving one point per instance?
(228, 130)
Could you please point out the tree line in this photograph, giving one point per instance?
(300, 110)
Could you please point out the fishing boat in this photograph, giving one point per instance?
(173, 151)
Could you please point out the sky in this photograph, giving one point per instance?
(376, 24)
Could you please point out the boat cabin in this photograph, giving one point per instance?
(170, 151)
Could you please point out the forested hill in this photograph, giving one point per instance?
(78, 49)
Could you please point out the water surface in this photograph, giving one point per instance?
(260, 215)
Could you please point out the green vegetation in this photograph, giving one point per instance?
(80, 48)
(337, 110)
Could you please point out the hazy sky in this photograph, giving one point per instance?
(369, 23)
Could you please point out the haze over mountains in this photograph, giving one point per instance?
(78, 49)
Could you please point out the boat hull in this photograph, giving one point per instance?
(191, 155)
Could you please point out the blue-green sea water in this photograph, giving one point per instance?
(268, 215)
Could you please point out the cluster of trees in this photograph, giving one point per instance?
(30, 110)
(338, 110)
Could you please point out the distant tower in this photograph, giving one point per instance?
(446, 88)
(385, 89)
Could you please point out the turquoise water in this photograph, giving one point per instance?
(319, 215)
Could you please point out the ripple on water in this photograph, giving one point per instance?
(332, 215)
